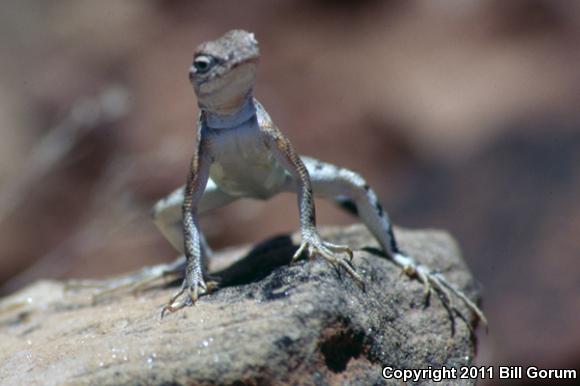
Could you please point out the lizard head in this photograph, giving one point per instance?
(224, 70)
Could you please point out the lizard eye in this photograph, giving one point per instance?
(203, 63)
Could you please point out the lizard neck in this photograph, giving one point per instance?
(244, 112)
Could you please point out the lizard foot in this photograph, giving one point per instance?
(190, 292)
(131, 283)
(437, 282)
(315, 246)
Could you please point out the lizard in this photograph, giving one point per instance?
(241, 153)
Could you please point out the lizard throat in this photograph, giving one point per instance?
(225, 121)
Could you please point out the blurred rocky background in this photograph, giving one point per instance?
(462, 115)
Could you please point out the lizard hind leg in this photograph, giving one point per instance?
(151, 276)
(350, 189)
(135, 282)
(167, 216)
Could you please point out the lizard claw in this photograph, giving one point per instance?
(314, 246)
(190, 293)
(340, 249)
(435, 281)
(298, 252)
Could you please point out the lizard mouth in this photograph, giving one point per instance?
(251, 59)
(220, 90)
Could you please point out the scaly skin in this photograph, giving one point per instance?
(241, 153)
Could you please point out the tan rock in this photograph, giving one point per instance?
(269, 324)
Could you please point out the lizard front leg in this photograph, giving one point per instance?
(193, 283)
(331, 181)
(311, 243)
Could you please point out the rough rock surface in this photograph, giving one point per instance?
(270, 323)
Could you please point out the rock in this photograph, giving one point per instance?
(270, 323)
